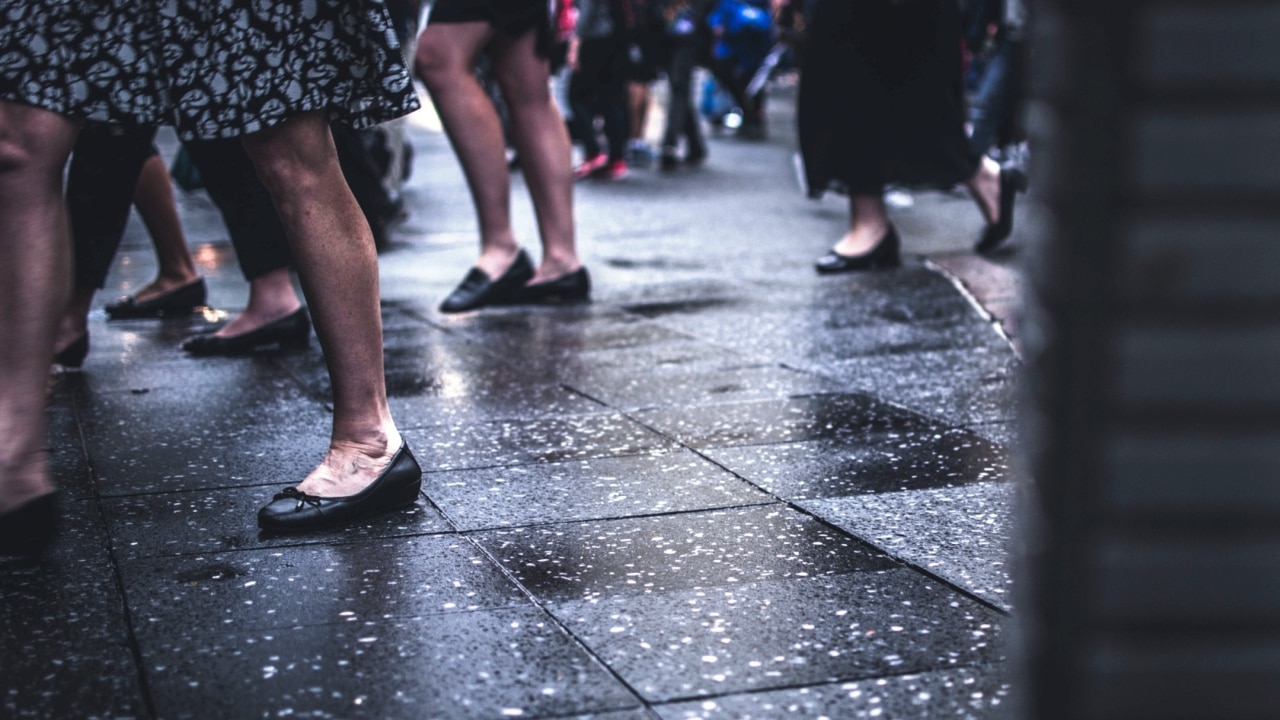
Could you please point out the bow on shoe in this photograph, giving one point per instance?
(301, 497)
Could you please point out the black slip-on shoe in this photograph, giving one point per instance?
(886, 254)
(291, 332)
(478, 290)
(295, 511)
(179, 301)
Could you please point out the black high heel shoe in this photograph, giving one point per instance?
(1012, 182)
(71, 357)
(30, 530)
(291, 332)
(478, 290)
(886, 254)
(573, 287)
(295, 511)
(179, 301)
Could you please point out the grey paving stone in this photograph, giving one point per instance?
(348, 583)
(979, 693)
(207, 521)
(482, 664)
(589, 489)
(636, 556)
(66, 640)
(203, 437)
(777, 421)
(679, 385)
(775, 634)
(921, 455)
(963, 534)
(488, 403)
(516, 442)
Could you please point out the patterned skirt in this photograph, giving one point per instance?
(210, 68)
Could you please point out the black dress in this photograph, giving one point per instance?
(210, 68)
(881, 96)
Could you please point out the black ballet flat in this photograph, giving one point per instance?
(295, 511)
(573, 287)
(1012, 182)
(886, 254)
(478, 290)
(29, 531)
(179, 301)
(291, 332)
(71, 357)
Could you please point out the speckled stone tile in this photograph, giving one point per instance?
(979, 693)
(695, 386)
(203, 437)
(564, 332)
(68, 463)
(66, 641)
(1000, 433)
(590, 489)
(313, 584)
(516, 442)
(917, 456)
(675, 552)
(777, 634)
(490, 403)
(637, 714)
(777, 421)
(962, 387)
(206, 521)
(963, 534)
(483, 664)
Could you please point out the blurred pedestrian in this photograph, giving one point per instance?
(214, 69)
(881, 101)
(599, 57)
(684, 22)
(519, 38)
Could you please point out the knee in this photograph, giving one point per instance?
(284, 167)
(436, 64)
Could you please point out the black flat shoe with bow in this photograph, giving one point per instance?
(478, 290)
(886, 254)
(295, 511)
(291, 332)
(179, 301)
(572, 287)
(1012, 182)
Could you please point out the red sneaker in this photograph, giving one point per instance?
(590, 166)
(616, 170)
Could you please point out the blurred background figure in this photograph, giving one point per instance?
(743, 32)
(684, 26)
(599, 57)
(996, 39)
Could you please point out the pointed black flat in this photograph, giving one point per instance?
(291, 332)
(886, 254)
(295, 511)
(179, 301)
(29, 531)
(573, 287)
(1012, 182)
(478, 290)
(72, 356)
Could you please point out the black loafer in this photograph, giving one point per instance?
(1012, 182)
(291, 332)
(886, 254)
(477, 290)
(71, 357)
(296, 511)
(573, 287)
(179, 301)
(29, 531)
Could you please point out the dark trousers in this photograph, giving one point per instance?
(993, 113)
(682, 54)
(598, 88)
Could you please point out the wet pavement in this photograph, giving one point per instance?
(727, 488)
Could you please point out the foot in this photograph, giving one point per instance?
(253, 319)
(23, 481)
(861, 239)
(984, 186)
(163, 285)
(350, 467)
(591, 166)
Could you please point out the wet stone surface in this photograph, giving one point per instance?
(599, 488)
(979, 693)
(962, 534)
(701, 642)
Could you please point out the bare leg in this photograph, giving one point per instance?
(35, 268)
(336, 261)
(271, 297)
(446, 56)
(153, 197)
(545, 152)
(868, 222)
(984, 186)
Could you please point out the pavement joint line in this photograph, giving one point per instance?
(986, 314)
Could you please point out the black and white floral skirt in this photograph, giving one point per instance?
(210, 68)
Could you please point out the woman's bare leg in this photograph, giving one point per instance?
(446, 57)
(984, 186)
(868, 222)
(337, 264)
(35, 279)
(153, 197)
(545, 152)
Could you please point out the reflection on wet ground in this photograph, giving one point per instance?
(708, 494)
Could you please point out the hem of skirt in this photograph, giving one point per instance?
(357, 119)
